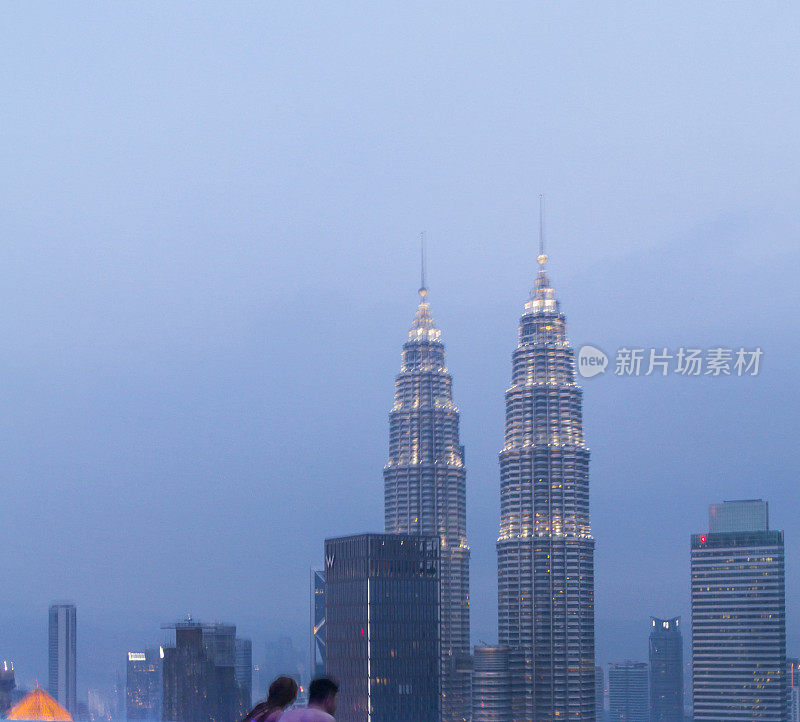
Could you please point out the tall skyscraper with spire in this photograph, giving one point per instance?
(425, 489)
(545, 551)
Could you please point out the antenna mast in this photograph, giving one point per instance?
(422, 288)
(542, 258)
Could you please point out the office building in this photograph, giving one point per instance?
(143, 685)
(599, 695)
(545, 550)
(62, 656)
(243, 669)
(425, 490)
(8, 684)
(317, 657)
(491, 685)
(628, 699)
(199, 674)
(793, 684)
(382, 614)
(666, 670)
(743, 515)
(738, 616)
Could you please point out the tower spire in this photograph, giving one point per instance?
(423, 290)
(542, 257)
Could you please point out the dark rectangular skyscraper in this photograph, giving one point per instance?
(7, 686)
(666, 670)
(738, 616)
(382, 619)
(143, 685)
(244, 669)
(628, 700)
(62, 656)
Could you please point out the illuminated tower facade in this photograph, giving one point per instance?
(545, 551)
(425, 490)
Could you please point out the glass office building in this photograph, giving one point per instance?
(793, 684)
(317, 657)
(742, 515)
(243, 669)
(739, 617)
(599, 695)
(143, 685)
(628, 700)
(62, 656)
(7, 686)
(382, 620)
(491, 685)
(666, 670)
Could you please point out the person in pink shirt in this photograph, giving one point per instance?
(321, 703)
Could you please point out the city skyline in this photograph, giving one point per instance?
(431, 325)
(211, 220)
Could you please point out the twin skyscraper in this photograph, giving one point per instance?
(545, 550)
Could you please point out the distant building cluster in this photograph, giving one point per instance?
(205, 675)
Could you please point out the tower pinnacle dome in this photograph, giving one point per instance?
(543, 295)
(423, 327)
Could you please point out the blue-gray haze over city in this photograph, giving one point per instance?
(209, 264)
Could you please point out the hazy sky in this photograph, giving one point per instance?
(209, 264)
